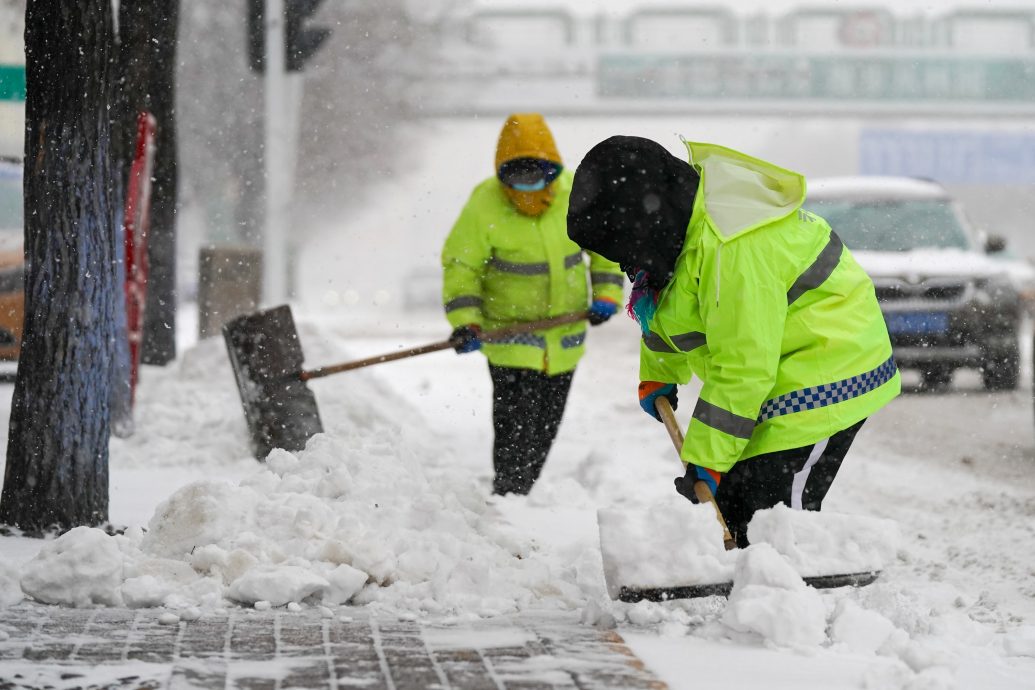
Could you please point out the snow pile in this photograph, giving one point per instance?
(673, 542)
(867, 632)
(80, 568)
(824, 542)
(356, 521)
(770, 599)
(858, 629)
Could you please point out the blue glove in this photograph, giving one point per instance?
(466, 338)
(650, 391)
(601, 310)
(695, 473)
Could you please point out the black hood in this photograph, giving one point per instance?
(631, 202)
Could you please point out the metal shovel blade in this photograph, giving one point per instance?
(266, 357)
(723, 589)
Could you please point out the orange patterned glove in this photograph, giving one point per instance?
(650, 391)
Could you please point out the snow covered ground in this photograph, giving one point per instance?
(398, 488)
(397, 491)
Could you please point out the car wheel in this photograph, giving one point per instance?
(1001, 369)
(936, 376)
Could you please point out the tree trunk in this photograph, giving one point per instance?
(148, 30)
(57, 452)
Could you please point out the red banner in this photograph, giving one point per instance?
(137, 222)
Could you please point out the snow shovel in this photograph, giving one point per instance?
(632, 594)
(266, 357)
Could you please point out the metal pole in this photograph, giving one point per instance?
(278, 159)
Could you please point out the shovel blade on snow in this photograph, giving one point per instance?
(267, 359)
(723, 589)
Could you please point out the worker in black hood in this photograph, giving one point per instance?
(736, 284)
(631, 202)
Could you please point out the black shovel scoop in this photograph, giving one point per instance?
(266, 357)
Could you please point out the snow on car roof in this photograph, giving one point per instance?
(874, 187)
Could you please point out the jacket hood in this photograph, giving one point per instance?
(631, 202)
(525, 135)
(741, 193)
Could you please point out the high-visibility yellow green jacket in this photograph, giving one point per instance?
(502, 267)
(773, 314)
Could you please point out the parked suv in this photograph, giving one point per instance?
(947, 303)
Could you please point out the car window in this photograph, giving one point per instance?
(894, 226)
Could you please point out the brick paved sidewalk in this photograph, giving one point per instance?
(128, 649)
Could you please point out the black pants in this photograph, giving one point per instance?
(527, 407)
(799, 478)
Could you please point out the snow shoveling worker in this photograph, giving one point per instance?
(508, 260)
(737, 284)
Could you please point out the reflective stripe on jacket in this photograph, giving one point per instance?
(501, 267)
(771, 311)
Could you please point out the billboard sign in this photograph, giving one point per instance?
(950, 157)
(900, 79)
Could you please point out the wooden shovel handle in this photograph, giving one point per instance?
(701, 488)
(488, 336)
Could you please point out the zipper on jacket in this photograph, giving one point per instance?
(718, 272)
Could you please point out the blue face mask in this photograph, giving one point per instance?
(528, 174)
(529, 186)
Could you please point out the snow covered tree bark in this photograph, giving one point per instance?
(57, 451)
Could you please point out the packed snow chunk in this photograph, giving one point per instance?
(145, 591)
(826, 543)
(10, 591)
(672, 543)
(80, 568)
(199, 514)
(860, 630)
(277, 584)
(343, 584)
(770, 599)
(157, 581)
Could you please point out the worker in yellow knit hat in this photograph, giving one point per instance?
(507, 260)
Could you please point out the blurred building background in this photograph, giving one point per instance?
(943, 90)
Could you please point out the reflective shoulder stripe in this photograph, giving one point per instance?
(463, 302)
(828, 393)
(819, 271)
(655, 343)
(520, 269)
(607, 279)
(684, 341)
(570, 261)
(723, 420)
(573, 260)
